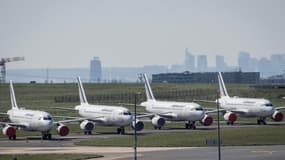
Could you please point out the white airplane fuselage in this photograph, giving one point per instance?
(249, 107)
(178, 111)
(106, 115)
(33, 120)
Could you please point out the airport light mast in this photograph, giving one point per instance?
(219, 129)
(135, 127)
(3, 62)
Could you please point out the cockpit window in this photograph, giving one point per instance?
(47, 118)
(199, 109)
(127, 113)
(269, 104)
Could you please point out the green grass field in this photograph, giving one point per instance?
(265, 135)
(49, 157)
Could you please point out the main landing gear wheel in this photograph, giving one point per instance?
(230, 123)
(12, 137)
(155, 127)
(261, 121)
(87, 132)
(121, 130)
(46, 136)
(190, 125)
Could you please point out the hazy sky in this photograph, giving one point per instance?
(69, 33)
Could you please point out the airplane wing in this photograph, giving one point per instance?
(70, 120)
(62, 108)
(280, 108)
(13, 124)
(130, 104)
(168, 115)
(78, 119)
(143, 115)
(240, 111)
(215, 111)
(163, 114)
(2, 113)
(206, 101)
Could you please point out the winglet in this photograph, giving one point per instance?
(223, 89)
(12, 96)
(83, 99)
(148, 91)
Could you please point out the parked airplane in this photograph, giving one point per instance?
(173, 111)
(103, 115)
(247, 107)
(29, 120)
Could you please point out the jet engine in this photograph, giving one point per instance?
(230, 116)
(277, 116)
(207, 120)
(87, 125)
(139, 125)
(62, 130)
(158, 121)
(9, 131)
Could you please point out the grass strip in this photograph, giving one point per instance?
(264, 135)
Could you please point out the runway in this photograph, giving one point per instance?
(163, 153)
(35, 145)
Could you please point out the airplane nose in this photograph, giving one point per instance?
(271, 109)
(201, 114)
(50, 124)
(130, 118)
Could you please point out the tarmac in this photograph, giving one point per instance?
(35, 145)
(162, 153)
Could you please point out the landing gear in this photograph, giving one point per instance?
(261, 121)
(230, 123)
(190, 125)
(87, 132)
(12, 137)
(155, 127)
(46, 136)
(121, 130)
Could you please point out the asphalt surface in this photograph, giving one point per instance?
(228, 153)
(162, 153)
(35, 145)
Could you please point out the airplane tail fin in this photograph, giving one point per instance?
(223, 89)
(82, 95)
(12, 96)
(148, 91)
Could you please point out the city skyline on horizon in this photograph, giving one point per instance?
(96, 72)
(67, 34)
(211, 61)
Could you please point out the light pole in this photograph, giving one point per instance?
(135, 126)
(219, 134)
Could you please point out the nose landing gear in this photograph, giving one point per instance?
(190, 125)
(46, 136)
(121, 130)
(261, 121)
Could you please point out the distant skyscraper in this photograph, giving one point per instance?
(220, 63)
(264, 67)
(277, 61)
(95, 70)
(244, 61)
(189, 61)
(202, 63)
(253, 65)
